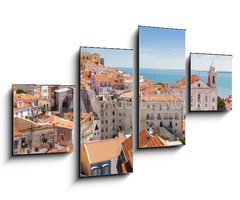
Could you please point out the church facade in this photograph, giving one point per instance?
(204, 94)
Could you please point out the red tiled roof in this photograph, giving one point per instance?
(127, 146)
(102, 78)
(194, 78)
(147, 140)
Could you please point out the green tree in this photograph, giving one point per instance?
(221, 104)
(19, 91)
(161, 84)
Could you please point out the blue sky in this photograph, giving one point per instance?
(113, 57)
(202, 62)
(161, 48)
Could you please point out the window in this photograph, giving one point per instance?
(23, 143)
(199, 97)
(161, 124)
(165, 116)
(105, 169)
(170, 124)
(152, 116)
(113, 113)
(106, 121)
(44, 139)
(213, 100)
(113, 120)
(206, 98)
(20, 104)
(213, 79)
(176, 115)
(15, 144)
(199, 85)
(106, 129)
(62, 137)
(95, 171)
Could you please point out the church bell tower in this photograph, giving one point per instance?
(212, 76)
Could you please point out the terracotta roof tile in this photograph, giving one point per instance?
(127, 146)
(147, 140)
(102, 78)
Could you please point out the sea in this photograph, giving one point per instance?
(170, 76)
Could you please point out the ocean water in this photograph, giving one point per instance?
(165, 75)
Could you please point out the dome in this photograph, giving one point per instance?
(212, 67)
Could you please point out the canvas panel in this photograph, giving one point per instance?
(161, 87)
(106, 109)
(210, 82)
(42, 119)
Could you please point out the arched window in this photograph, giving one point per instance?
(95, 171)
(199, 97)
(105, 169)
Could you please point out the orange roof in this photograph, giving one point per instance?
(42, 102)
(85, 117)
(194, 78)
(60, 122)
(68, 116)
(24, 105)
(101, 150)
(24, 97)
(147, 140)
(163, 89)
(160, 97)
(148, 91)
(117, 81)
(126, 95)
(156, 141)
(21, 124)
(228, 100)
(16, 133)
(102, 78)
(127, 146)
